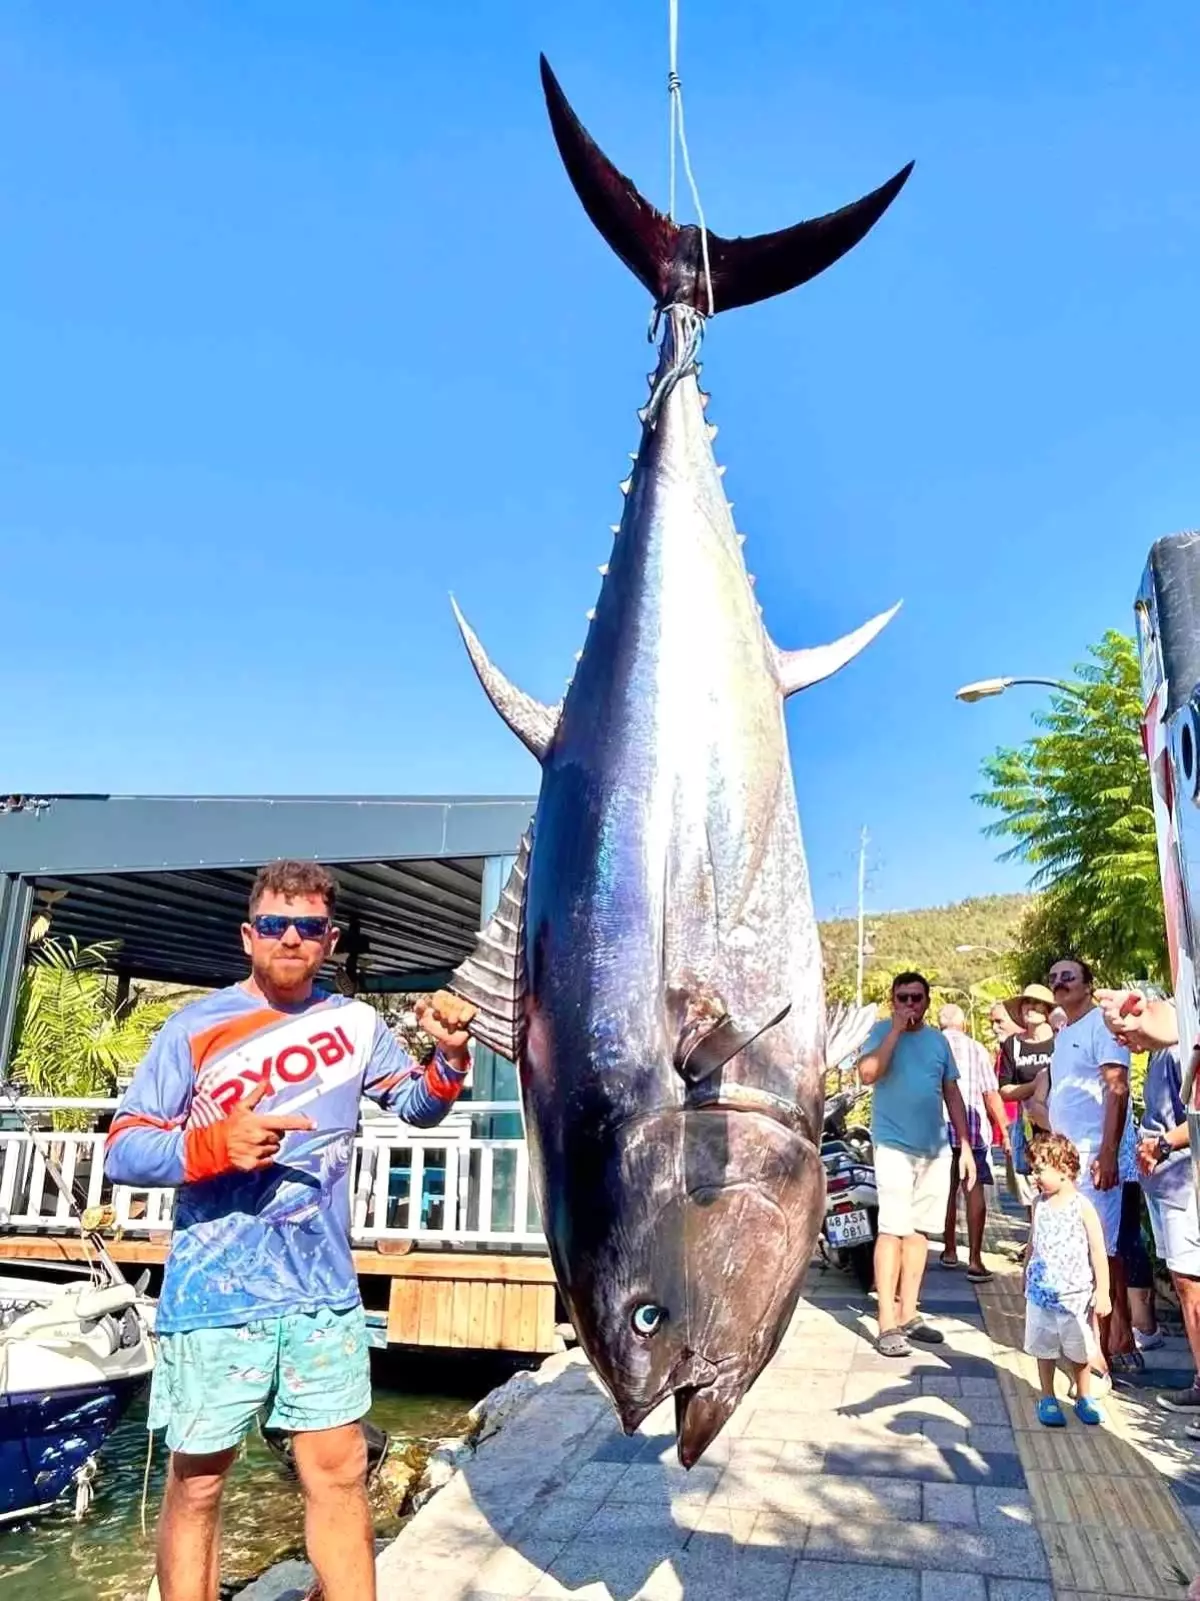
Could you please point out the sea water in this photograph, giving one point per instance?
(106, 1557)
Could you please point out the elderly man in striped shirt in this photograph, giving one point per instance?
(985, 1110)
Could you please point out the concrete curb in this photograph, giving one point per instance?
(526, 1429)
(508, 1474)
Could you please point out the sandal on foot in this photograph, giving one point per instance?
(1127, 1362)
(893, 1343)
(948, 1261)
(979, 1275)
(924, 1333)
(1087, 1411)
(1050, 1413)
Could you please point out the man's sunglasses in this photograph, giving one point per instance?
(912, 997)
(269, 926)
(1062, 981)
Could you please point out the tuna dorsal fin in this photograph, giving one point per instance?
(530, 720)
(706, 1044)
(845, 1029)
(667, 257)
(493, 977)
(799, 668)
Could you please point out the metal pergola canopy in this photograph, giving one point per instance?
(166, 878)
(396, 918)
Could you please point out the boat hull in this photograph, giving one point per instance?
(46, 1436)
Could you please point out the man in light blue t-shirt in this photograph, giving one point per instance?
(911, 1071)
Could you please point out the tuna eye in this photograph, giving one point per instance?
(647, 1319)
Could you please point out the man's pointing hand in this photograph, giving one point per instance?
(253, 1141)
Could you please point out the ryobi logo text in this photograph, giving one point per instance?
(292, 1065)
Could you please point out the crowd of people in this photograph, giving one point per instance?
(1053, 1098)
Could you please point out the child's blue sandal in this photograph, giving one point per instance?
(1050, 1413)
(1087, 1411)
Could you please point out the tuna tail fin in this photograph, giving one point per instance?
(666, 256)
(798, 669)
(531, 720)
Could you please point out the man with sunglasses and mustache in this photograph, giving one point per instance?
(247, 1104)
(912, 1072)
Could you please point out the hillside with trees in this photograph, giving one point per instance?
(928, 940)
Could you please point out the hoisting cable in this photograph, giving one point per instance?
(686, 337)
(678, 133)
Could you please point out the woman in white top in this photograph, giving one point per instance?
(1089, 1104)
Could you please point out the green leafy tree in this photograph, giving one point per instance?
(69, 1037)
(1075, 803)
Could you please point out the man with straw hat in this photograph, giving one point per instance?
(1024, 1075)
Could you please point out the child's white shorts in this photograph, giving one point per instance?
(1051, 1332)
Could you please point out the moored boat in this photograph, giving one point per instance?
(72, 1357)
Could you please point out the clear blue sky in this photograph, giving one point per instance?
(302, 327)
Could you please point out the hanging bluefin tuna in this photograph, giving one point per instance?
(654, 966)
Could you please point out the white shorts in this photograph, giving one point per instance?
(1051, 1333)
(913, 1191)
(1177, 1235)
(1106, 1202)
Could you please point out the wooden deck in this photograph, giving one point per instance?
(459, 1300)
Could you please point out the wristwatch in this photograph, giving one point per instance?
(1163, 1149)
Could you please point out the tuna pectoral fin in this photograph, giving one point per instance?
(800, 668)
(532, 722)
(704, 1047)
(493, 977)
(845, 1030)
(668, 258)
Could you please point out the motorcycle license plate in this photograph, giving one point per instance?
(848, 1228)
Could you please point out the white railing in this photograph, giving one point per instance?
(442, 1187)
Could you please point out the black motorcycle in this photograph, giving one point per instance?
(851, 1222)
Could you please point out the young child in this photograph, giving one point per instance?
(1066, 1278)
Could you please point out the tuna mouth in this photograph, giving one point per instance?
(741, 1098)
(700, 1415)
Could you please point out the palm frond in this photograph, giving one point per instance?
(68, 1040)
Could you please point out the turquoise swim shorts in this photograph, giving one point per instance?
(310, 1370)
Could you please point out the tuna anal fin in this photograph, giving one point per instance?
(800, 668)
(493, 977)
(532, 722)
(705, 1046)
(845, 1030)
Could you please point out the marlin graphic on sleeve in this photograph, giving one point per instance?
(654, 965)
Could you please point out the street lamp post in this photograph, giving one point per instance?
(996, 686)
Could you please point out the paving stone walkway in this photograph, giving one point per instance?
(843, 1475)
(1115, 1507)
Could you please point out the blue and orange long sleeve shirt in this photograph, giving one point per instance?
(275, 1241)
